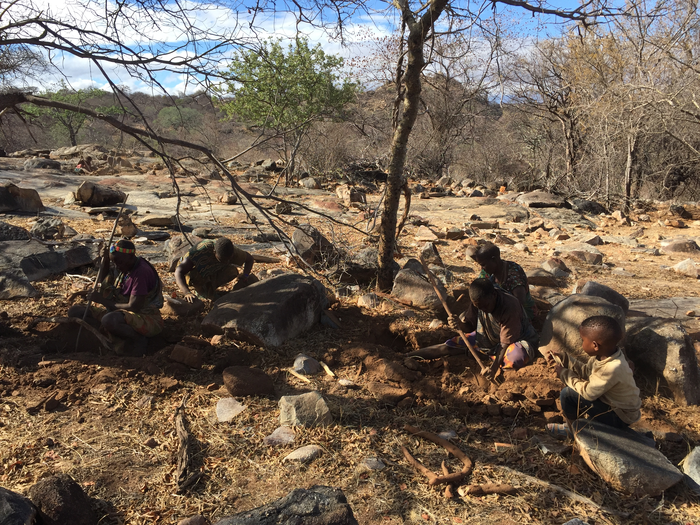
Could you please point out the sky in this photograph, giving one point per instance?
(359, 32)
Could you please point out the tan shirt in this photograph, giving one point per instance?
(610, 380)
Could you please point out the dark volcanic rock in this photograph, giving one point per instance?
(318, 505)
(242, 381)
(15, 509)
(61, 501)
(9, 232)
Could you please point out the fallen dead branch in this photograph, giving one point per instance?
(185, 478)
(487, 488)
(571, 495)
(433, 479)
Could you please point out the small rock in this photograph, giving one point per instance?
(688, 268)
(347, 383)
(305, 365)
(448, 434)
(369, 300)
(241, 381)
(453, 233)
(283, 208)
(304, 454)
(281, 436)
(435, 324)
(521, 247)
(644, 218)
(61, 500)
(227, 408)
(151, 442)
(187, 356)
(373, 464)
(425, 234)
(308, 409)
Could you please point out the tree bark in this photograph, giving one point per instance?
(417, 32)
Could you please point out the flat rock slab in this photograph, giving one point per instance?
(269, 312)
(227, 408)
(15, 509)
(671, 308)
(318, 505)
(624, 460)
(564, 218)
(541, 199)
(664, 348)
(691, 469)
(283, 435)
(306, 410)
(38, 261)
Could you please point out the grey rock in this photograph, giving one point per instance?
(177, 247)
(9, 232)
(313, 247)
(369, 300)
(671, 308)
(227, 408)
(310, 183)
(586, 206)
(624, 460)
(541, 199)
(38, 261)
(61, 500)
(281, 436)
(576, 521)
(541, 277)
(268, 165)
(318, 505)
(48, 228)
(579, 246)
(411, 286)
(475, 193)
(242, 381)
(430, 254)
(663, 348)
(687, 267)
(556, 267)
(15, 509)
(157, 220)
(268, 312)
(592, 239)
(304, 454)
(41, 164)
(607, 293)
(584, 257)
(14, 198)
(680, 246)
(373, 464)
(425, 234)
(691, 469)
(306, 410)
(14, 284)
(560, 330)
(91, 194)
(305, 365)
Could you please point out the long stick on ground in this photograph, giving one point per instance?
(449, 313)
(97, 279)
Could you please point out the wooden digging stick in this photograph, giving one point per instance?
(431, 277)
(97, 279)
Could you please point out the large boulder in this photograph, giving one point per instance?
(61, 500)
(313, 247)
(268, 312)
(14, 284)
(663, 348)
(41, 164)
(691, 469)
(91, 194)
(600, 290)
(318, 505)
(680, 245)
(624, 460)
(38, 260)
(304, 410)
(15, 509)
(541, 199)
(14, 198)
(411, 286)
(560, 330)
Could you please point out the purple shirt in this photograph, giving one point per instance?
(140, 280)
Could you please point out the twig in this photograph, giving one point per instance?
(572, 495)
(298, 376)
(185, 478)
(487, 488)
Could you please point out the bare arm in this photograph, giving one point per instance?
(181, 272)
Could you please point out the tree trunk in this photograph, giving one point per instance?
(629, 166)
(417, 32)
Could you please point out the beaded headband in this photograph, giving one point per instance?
(120, 249)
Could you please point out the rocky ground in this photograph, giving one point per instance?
(108, 421)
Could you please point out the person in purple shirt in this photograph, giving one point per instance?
(129, 301)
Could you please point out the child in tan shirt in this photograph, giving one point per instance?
(603, 387)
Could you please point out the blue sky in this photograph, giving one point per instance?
(80, 73)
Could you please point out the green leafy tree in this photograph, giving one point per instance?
(69, 122)
(286, 92)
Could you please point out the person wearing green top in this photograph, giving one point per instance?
(210, 265)
(507, 275)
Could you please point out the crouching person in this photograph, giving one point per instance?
(127, 305)
(498, 325)
(601, 388)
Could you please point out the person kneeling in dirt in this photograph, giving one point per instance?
(84, 165)
(497, 321)
(509, 275)
(130, 299)
(210, 265)
(601, 388)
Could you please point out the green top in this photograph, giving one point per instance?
(205, 262)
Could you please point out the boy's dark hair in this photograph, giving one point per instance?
(485, 251)
(223, 248)
(481, 288)
(607, 326)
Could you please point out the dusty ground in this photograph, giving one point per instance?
(111, 406)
